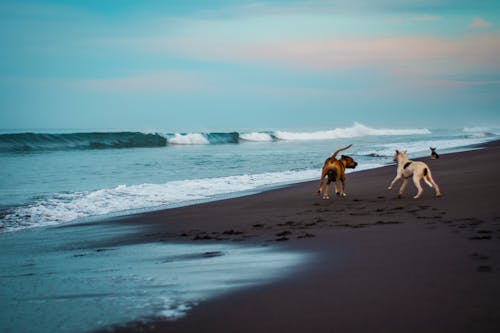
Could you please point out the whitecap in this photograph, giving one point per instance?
(256, 136)
(357, 130)
(188, 139)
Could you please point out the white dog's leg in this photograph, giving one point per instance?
(427, 181)
(416, 181)
(398, 177)
(403, 186)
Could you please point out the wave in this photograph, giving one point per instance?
(65, 207)
(32, 142)
(480, 132)
(358, 130)
(188, 139)
(29, 142)
(421, 147)
(257, 137)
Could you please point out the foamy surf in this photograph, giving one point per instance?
(420, 148)
(358, 130)
(66, 207)
(188, 139)
(257, 137)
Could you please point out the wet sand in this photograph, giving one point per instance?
(379, 263)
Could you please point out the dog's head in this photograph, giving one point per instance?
(400, 154)
(349, 162)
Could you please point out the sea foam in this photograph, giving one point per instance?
(188, 139)
(419, 148)
(256, 136)
(66, 207)
(358, 130)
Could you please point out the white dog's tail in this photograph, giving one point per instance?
(339, 150)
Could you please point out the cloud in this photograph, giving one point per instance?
(479, 23)
(331, 54)
(461, 83)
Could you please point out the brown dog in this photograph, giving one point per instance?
(335, 170)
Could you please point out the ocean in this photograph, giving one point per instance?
(59, 177)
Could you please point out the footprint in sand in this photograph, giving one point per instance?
(232, 232)
(478, 256)
(484, 268)
(283, 233)
(306, 235)
(387, 222)
(480, 237)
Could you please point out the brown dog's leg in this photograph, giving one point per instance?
(322, 181)
(327, 190)
(342, 180)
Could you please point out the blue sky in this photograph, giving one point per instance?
(249, 65)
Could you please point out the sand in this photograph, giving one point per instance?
(378, 263)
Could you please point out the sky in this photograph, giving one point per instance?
(197, 65)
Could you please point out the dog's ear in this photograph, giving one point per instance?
(397, 151)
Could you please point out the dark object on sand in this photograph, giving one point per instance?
(434, 155)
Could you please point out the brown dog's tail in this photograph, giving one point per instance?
(334, 156)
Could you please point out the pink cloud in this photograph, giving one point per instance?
(460, 83)
(412, 54)
(478, 23)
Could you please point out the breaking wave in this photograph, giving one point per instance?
(32, 142)
(358, 130)
(65, 207)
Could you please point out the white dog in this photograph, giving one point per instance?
(418, 170)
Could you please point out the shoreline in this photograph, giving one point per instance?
(228, 196)
(186, 216)
(430, 264)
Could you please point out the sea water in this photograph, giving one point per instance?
(57, 280)
(59, 177)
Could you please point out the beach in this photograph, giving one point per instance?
(160, 165)
(281, 260)
(379, 264)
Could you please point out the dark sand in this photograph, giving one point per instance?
(381, 264)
